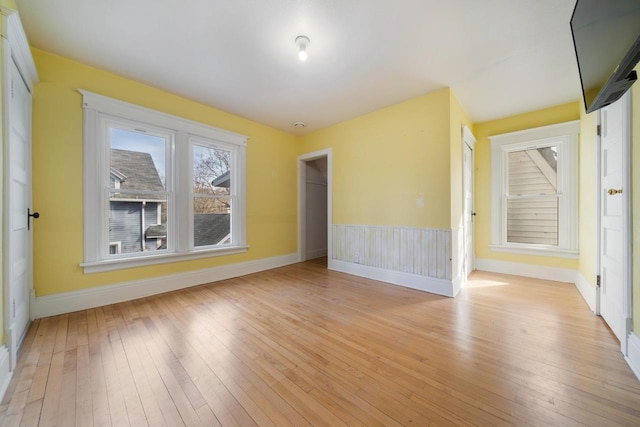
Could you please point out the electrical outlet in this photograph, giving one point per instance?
(356, 258)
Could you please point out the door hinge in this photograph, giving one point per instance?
(599, 130)
(598, 281)
(11, 88)
(14, 309)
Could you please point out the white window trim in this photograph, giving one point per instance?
(95, 106)
(118, 246)
(236, 190)
(565, 135)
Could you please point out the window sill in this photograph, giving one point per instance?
(141, 261)
(538, 251)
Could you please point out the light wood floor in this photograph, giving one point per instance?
(301, 345)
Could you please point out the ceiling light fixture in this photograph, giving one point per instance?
(302, 42)
(299, 124)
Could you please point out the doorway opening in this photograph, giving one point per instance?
(314, 205)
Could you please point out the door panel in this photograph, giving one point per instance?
(613, 146)
(18, 169)
(468, 208)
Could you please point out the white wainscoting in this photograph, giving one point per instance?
(418, 258)
(68, 302)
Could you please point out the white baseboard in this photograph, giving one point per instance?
(457, 284)
(633, 353)
(414, 281)
(527, 270)
(68, 302)
(588, 291)
(5, 371)
(317, 253)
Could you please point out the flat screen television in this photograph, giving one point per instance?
(606, 37)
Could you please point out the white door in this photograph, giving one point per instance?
(614, 195)
(468, 213)
(18, 201)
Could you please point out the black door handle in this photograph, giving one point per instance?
(35, 215)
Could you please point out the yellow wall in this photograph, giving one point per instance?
(587, 211)
(391, 167)
(635, 199)
(57, 175)
(482, 131)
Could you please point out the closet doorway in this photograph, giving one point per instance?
(314, 205)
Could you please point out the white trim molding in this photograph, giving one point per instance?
(302, 197)
(13, 31)
(5, 371)
(557, 274)
(68, 302)
(563, 136)
(467, 137)
(422, 283)
(15, 50)
(180, 136)
(633, 353)
(588, 291)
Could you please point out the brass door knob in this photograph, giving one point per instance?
(613, 191)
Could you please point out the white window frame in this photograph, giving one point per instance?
(117, 245)
(565, 137)
(98, 110)
(236, 228)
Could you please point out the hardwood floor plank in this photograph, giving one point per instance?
(84, 404)
(99, 395)
(67, 407)
(210, 361)
(115, 397)
(301, 345)
(135, 410)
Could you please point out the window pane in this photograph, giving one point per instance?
(138, 160)
(137, 215)
(138, 222)
(211, 171)
(533, 172)
(533, 220)
(211, 221)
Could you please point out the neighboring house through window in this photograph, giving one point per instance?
(135, 218)
(158, 188)
(534, 192)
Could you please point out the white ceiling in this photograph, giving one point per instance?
(501, 57)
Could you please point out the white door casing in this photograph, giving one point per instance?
(614, 217)
(18, 167)
(468, 142)
(19, 76)
(302, 197)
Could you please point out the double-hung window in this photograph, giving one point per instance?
(158, 188)
(534, 191)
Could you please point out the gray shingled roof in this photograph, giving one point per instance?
(223, 180)
(139, 170)
(209, 229)
(156, 231)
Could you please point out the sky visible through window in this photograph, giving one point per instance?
(136, 141)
